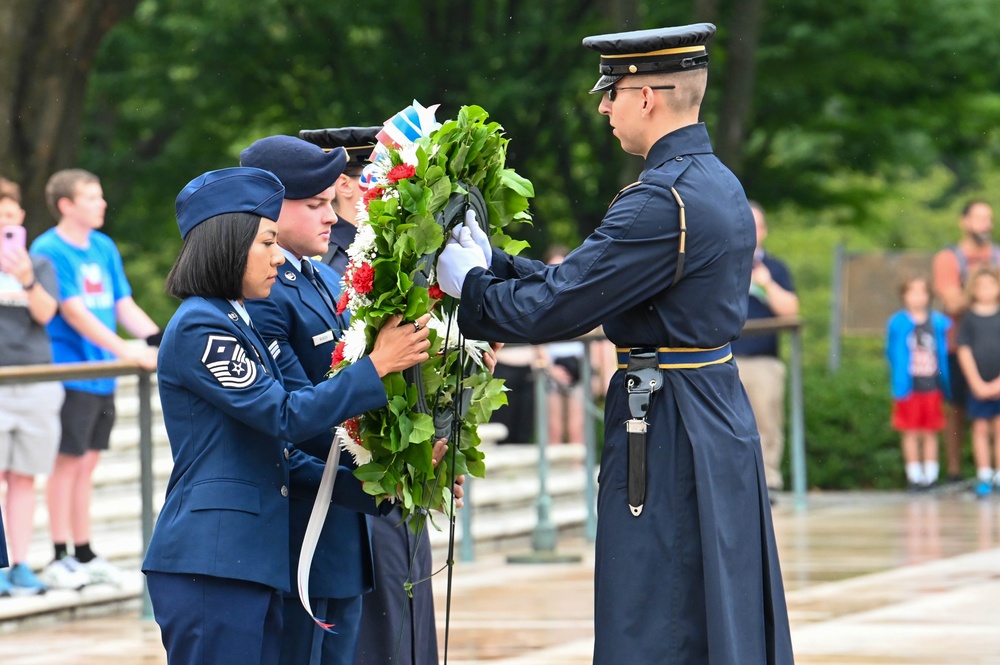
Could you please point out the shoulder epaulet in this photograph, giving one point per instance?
(622, 190)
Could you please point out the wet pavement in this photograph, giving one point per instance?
(870, 578)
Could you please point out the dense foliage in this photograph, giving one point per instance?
(871, 122)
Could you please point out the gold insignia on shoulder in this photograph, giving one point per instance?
(626, 187)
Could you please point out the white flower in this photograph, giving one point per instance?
(354, 341)
(363, 246)
(360, 454)
(362, 215)
(473, 348)
(408, 154)
(355, 301)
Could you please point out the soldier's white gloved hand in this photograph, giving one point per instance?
(479, 236)
(459, 256)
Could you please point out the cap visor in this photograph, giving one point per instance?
(604, 83)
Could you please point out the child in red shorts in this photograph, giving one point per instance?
(918, 369)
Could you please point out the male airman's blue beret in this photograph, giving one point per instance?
(237, 189)
(304, 168)
(677, 49)
(357, 141)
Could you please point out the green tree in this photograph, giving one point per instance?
(47, 49)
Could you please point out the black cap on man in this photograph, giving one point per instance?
(657, 51)
(357, 141)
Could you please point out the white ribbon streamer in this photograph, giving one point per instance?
(317, 518)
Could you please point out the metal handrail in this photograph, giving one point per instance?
(16, 374)
(797, 438)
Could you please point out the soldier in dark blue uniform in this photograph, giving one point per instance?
(358, 142)
(218, 559)
(686, 565)
(399, 554)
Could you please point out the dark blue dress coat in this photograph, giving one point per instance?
(694, 578)
(229, 419)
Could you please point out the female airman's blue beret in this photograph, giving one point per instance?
(237, 189)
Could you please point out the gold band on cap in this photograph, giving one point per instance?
(666, 51)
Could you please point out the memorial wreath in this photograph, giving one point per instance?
(423, 178)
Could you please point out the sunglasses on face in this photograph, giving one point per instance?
(613, 91)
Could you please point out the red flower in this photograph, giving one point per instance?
(363, 278)
(435, 292)
(342, 302)
(372, 194)
(338, 355)
(353, 427)
(400, 172)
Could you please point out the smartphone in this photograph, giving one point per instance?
(10, 237)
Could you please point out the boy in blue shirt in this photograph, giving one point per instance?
(94, 297)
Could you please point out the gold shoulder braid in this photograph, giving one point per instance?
(682, 241)
(626, 187)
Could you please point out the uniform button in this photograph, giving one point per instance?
(284, 490)
(678, 159)
(287, 454)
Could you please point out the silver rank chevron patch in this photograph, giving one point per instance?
(228, 362)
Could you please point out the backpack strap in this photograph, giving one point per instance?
(963, 263)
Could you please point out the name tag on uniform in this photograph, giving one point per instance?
(323, 338)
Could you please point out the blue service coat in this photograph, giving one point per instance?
(229, 419)
(302, 331)
(695, 577)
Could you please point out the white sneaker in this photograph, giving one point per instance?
(100, 571)
(64, 573)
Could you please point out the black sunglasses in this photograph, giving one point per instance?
(613, 91)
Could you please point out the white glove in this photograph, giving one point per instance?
(479, 236)
(459, 256)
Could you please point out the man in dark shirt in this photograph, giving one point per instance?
(772, 293)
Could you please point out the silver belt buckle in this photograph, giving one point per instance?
(635, 426)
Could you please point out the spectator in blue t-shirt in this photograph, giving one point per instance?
(772, 293)
(94, 298)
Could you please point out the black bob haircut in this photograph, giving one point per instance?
(213, 258)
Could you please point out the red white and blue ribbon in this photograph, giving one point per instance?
(399, 131)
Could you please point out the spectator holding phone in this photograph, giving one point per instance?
(94, 299)
(29, 413)
(772, 293)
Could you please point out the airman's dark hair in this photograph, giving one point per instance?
(213, 258)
